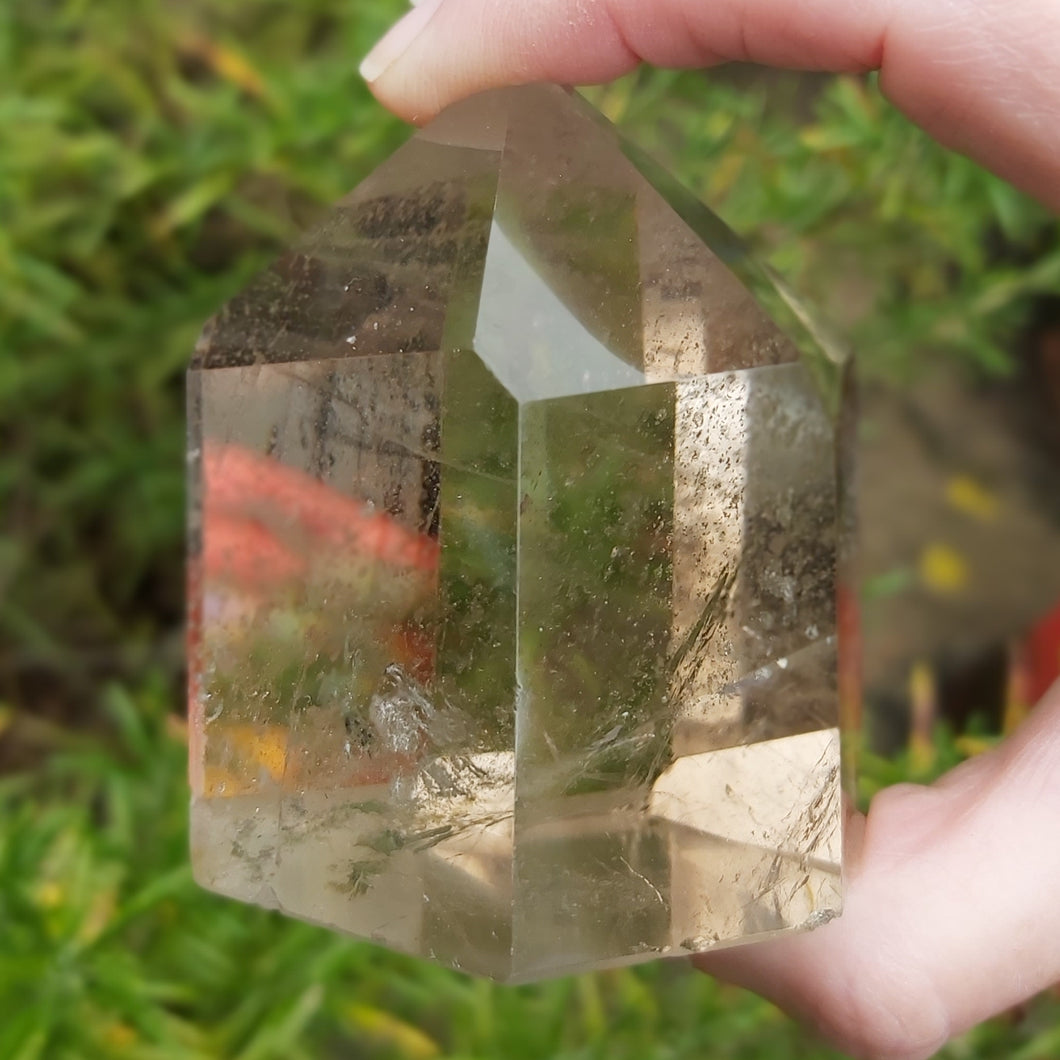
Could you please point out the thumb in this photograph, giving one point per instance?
(950, 914)
(983, 78)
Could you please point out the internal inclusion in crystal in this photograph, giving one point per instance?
(516, 526)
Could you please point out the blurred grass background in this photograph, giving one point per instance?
(153, 155)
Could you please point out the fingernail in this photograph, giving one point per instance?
(398, 40)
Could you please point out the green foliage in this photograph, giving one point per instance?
(147, 167)
(110, 950)
(910, 249)
(153, 155)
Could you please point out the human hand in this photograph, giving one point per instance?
(982, 76)
(951, 913)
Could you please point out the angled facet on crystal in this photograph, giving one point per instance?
(515, 528)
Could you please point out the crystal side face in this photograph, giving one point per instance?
(514, 532)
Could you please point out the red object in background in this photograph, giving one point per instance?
(243, 551)
(254, 512)
(241, 483)
(1043, 655)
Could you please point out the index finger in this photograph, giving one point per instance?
(982, 76)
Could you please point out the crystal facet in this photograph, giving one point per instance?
(515, 527)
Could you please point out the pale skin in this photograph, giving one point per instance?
(952, 910)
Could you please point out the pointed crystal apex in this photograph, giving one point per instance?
(593, 280)
(517, 529)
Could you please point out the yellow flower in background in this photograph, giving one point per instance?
(943, 569)
(972, 498)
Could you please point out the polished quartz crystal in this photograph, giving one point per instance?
(517, 527)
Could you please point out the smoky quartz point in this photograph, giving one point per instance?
(517, 535)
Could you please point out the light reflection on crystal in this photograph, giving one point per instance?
(513, 576)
